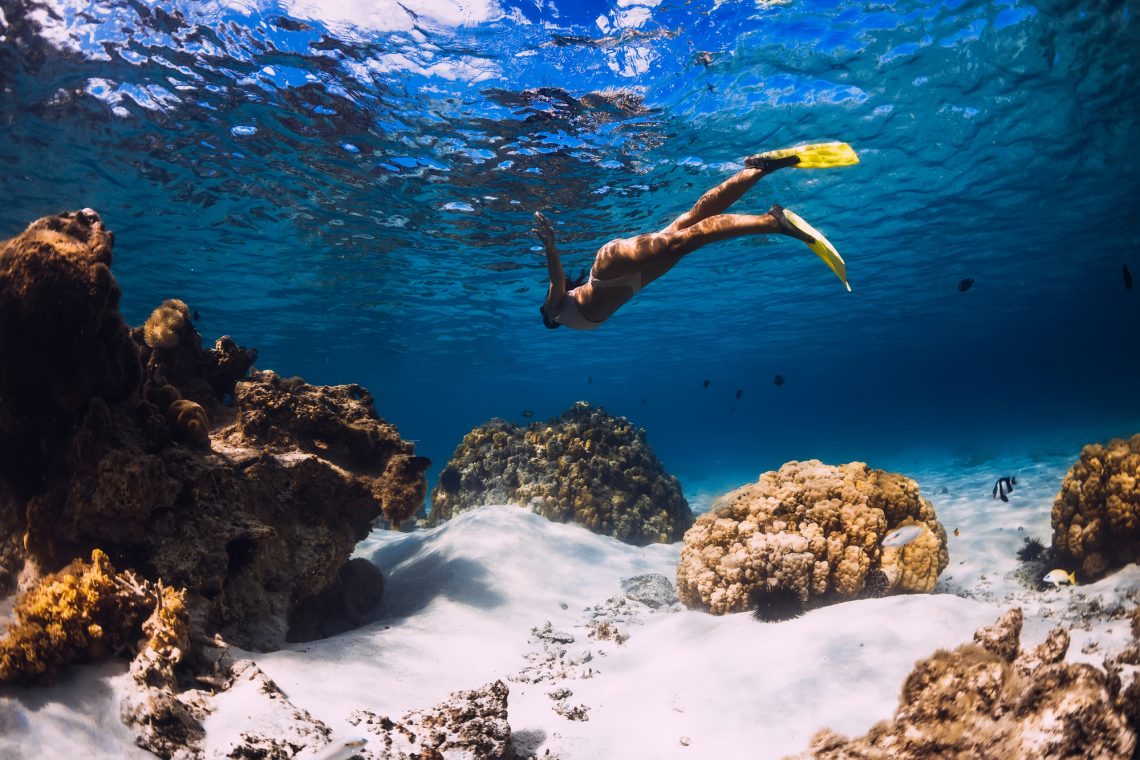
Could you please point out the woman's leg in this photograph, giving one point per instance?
(717, 200)
(656, 253)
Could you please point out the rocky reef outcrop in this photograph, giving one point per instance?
(245, 490)
(989, 699)
(812, 530)
(586, 466)
(1096, 515)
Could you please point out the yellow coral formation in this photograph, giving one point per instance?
(162, 326)
(168, 638)
(80, 614)
(189, 422)
(811, 528)
(1096, 515)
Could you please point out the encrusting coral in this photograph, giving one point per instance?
(812, 529)
(1096, 514)
(83, 613)
(985, 700)
(189, 421)
(586, 467)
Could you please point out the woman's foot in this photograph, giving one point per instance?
(769, 165)
(787, 227)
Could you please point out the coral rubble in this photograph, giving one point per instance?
(586, 467)
(1096, 515)
(814, 530)
(985, 699)
(245, 489)
(470, 724)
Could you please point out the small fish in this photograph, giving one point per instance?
(956, 533)
(589, 379)
(965, 284)
(778, 379)
(706, 383)
(527, 413)
(195, 316)
(904, 535)
(341, 750)
(739, 392)
(1004, 486)
(1127, 277)
(1058, 576)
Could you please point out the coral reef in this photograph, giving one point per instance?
(80, 614)
(1096, 515)
(249, 492)
(586, 467)
(812, 529)
(470, 724)
(62, 340)
(986, 700)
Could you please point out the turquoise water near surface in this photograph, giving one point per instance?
(350, 190)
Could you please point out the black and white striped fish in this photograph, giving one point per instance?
(1004, 486)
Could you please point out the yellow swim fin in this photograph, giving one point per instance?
(818, 156)
(821, 247)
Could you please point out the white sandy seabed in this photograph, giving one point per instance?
(465, 604)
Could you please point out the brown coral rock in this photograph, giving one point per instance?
(1096, 515)
(62, 340)
(586, 467)
(189, 422)
(814, 529)
(974, 703)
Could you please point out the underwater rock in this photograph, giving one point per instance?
(651, 589)
(1096, 514)
(252, 525)
(586, 466)
(470, 724)
(812, 529)
(62, 340)
(988, 701)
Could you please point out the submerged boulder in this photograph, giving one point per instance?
(249, 491)
(586, 466)
(1096, 515)
(813, 530)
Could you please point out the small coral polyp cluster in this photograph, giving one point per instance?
(1096, 515)
(587, 467)
(812, 529)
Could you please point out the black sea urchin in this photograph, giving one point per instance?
(1031, 550)
(772, 605)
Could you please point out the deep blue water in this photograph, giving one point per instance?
(349, 188)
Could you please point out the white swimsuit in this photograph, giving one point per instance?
(568, 314)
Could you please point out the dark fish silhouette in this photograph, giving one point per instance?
(1004, 486)
(194, 315)
(965, 284)
(706, 383)
(739, 392)
(527, 413)
(589, 379)
(778, 380)
(1127, 277)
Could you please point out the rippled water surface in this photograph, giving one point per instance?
(349, 187)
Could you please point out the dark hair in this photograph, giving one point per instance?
(550, 323)
(571, 283)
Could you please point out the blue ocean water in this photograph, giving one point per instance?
(348, 186)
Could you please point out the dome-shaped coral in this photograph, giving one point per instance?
(814, 529)
(1096, 515)
(188, 421)
(586, 467)
(164, 323)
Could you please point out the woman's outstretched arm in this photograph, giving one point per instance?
(545, 231)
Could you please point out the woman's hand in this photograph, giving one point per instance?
(544, 229)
